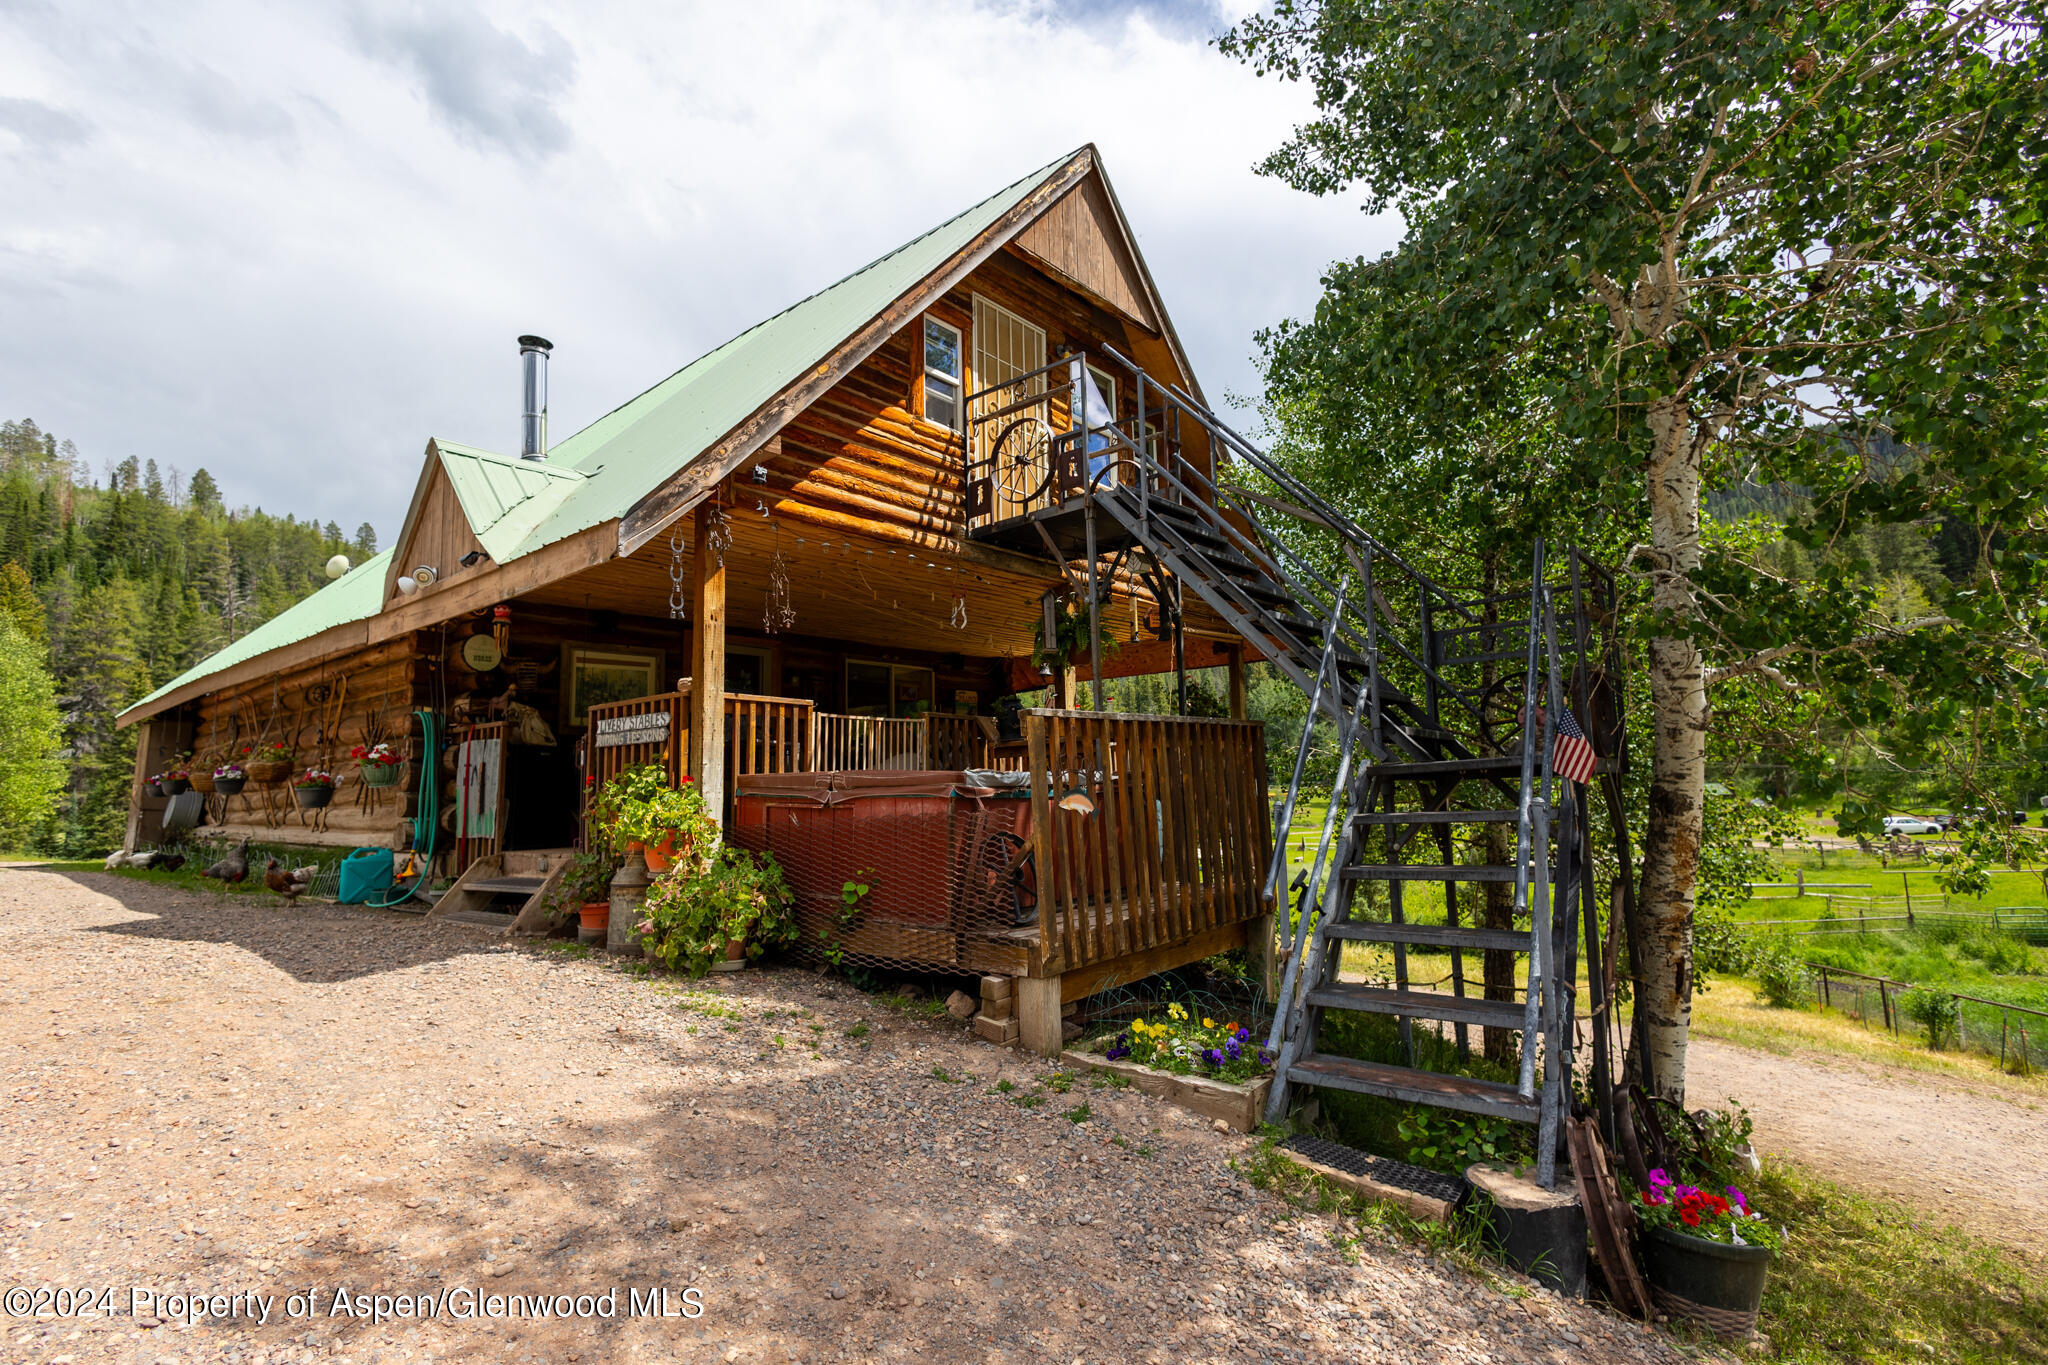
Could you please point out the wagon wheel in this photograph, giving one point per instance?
(1020, 463)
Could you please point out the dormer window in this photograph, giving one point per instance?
(942, 377)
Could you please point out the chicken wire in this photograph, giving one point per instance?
(904, 871)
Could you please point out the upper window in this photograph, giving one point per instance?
(942, 377)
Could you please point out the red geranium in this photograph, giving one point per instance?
(1691, 1217)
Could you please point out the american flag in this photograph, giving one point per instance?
(1570, 755)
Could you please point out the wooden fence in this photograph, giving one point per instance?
(1148, 830)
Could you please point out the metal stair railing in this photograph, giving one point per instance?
(1283, 814)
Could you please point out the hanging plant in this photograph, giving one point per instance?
(1070, 633)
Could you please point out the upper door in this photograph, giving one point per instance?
(1007, 347)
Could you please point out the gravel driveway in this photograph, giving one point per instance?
(250, 1100)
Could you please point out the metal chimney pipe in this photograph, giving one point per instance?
(533, 422)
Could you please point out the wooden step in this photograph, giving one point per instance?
(1454, 1009)
(483, 919)
(1437, 817)
(1433, 935)
(508, 886)
(1416, 1087)
(1429, 872)
(1485, 766)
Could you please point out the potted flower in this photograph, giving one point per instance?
(733, 907)
(175, 780)
(376, 764)
(314, 788)
(153, 785)
(266, 763)
(584, 890)
(1705, 1253)
(228, 778)
(670, 826)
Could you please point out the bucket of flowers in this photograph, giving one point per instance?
(176, 780)
(1705, 1253)
(1188, 1046)
(229, 778)
(314, 788)
(376, 764)
(266, 763)
(153, 785)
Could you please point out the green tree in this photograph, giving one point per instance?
(30, 736)
(19, 604)
(1748, 244)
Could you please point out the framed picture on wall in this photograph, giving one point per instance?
(597, 676)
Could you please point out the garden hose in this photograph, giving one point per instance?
(428, 815)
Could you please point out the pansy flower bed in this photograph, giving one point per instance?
(1725, 1217)
(1188, 1046)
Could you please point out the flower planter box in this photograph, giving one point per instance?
(1241, 1105)
(1714, 1284)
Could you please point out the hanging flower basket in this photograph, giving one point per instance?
(377, 765)
(229, 786)
(314, 788)
(175, 786)
(152, 788)
(268, 770)
(202, 781)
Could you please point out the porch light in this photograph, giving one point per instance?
(407, 586)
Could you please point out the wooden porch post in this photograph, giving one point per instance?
(1038, 1014)
(707, 670)
(1235, 659)
(136, 815)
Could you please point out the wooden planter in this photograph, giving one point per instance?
(268, 770)
(1241, 1105)
(202, 783)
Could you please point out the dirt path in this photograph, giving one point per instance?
(1972, 1155)
(223, 1099)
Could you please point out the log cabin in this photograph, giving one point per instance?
(804, 569)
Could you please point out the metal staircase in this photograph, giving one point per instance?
(1427, 688)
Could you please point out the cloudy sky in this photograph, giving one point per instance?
(289, 243)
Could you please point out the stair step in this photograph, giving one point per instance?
(1454, 1009)
(483, 918)
(1483, 766)
(1437, 817)
(1430, 872)
(1490, 656)
(508, 886)
(1434, 935)
(1416, 1087)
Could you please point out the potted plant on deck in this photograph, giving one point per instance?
(314, 788)
(1705, 1253)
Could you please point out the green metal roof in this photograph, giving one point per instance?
(519, 506)
(634, 449)
(354, 596)
(505, 498)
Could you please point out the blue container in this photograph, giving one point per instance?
(366, 872)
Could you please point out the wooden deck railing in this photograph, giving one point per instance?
(855, 743)
(958, 741)
(1149, 830)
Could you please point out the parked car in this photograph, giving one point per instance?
(1949, 822)
(1910, 824)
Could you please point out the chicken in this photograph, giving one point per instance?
(145, 861)
(291, 884)
(232, 869)
(168, 862)
(118, 858)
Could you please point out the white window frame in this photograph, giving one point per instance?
(958, 381)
